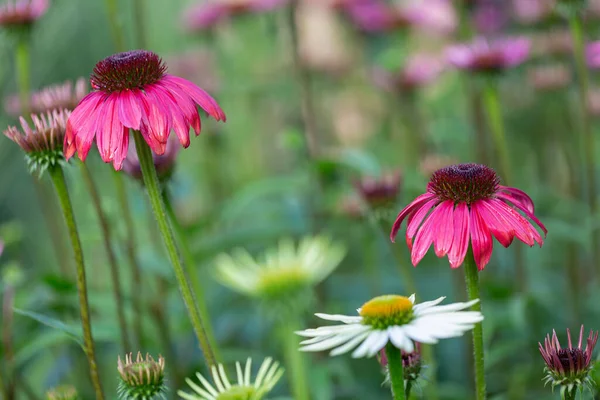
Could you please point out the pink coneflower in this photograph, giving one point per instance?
(15, 13)
(489, 56)
(466, 203)
(571, 366)
(592, 52)
(208, 14)
(374, 16)
(164, 163)
(489, 17)
(419, 70)
(531, 11)
(133, 91)
(379, 191)
(54, 97)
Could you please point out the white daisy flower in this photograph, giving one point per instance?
(394, 319)
(284, 274)
(268, 375)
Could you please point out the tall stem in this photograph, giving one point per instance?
(116, 29)
(569, 394)
(112, 259)
(472, 279)
(191, 270)
(294, 358)
(577, 32)
(23, 73)
(62, 192)
(494, 113)
(303, 77)
(394, 357)
(154, 193)
(136, 288)
(140, 23)
(8, 300)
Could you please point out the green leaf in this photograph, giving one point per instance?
(70, 331)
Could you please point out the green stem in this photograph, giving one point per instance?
(491, 100)
(191, 270)
(8, 300)
(577, 32)
(569, 394)
(62, 192)
(23, 72)
(394, 357)
(140, 23)
(136, 289)
(116, 28)
(472, 280)
(294, 358)
(154, 193)
(112, 259)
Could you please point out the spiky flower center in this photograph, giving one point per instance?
(238, 393)
(129, 70)
(464, 183)
(572, 360)
(385, 311)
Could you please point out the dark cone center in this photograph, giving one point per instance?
(572, 359)
(464, 183)
(129, 70)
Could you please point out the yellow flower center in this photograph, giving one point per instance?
(238, 393)
(385, 311)
(278, 283)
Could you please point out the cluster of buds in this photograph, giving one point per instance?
(411, 363)
(142, 379)
(62, 392)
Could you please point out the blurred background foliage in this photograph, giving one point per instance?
(248, 183)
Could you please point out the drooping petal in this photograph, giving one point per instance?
(203, 99)
(481, 239)
(178, 120)
(418, 216)
(460, 244)
(518, 195)
(426, 234)
(416, 203)
(496, 223)
(529, 215)
(523, 230)
(78, 125)
(185, 103)
(130, 108)
(442, 241)
(121, 150)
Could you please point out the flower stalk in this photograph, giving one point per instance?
(23, 72)
(294, 359)
(491, 100)
(112, 259)
(152, 185)
(394, 357)
(58, 179)
(191, 270)
(472, 280)
(578, 36)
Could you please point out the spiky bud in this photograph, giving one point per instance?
(142, 379)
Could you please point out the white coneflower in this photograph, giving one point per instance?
(391, 319)
(284, 276)
(267, 377)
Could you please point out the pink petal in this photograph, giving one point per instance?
(185, 103)
(481, 239)
(130, 109)
(528, 213)
(445, 229)
(518, 195)
(460, 244)
(158, 126)
(418, 216)
(79, 125)
(427, 233)
(524, 231)
(416, 203)
(202, 98)
(496, 222)
(179, 122)
(121, 150)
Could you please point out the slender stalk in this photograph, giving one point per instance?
(191, 270)
(7, 343)
(62, 192)
(472, 280)
(140, 23)
(587, 135)
(154, 193)
(294, 358)
(394, 357)
(136, 287)
(569, 394)
(303, 78)
(116, 29)
(23, 73)
(112, 259)
(491, 100)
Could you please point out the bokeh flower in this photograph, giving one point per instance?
(132, 90)
(62, 392)
(549, 77)
(380, 191)
(465, 203)
(419, 70)
(22, 13)
(267, 377)
(483, 55)
(391, 319)
(164, 163)
(53, 97)
(532, 11)
(284, 276)
(569, 367)
(42, 143)
(205, 15)
(593, 54)
(143, 378)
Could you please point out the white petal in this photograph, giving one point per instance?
(400, 340)
(330, 330)
(347, 319)
(446, 308)
(427, 304)
(328, 343)
(372, 344)
(350, 345)
(419, 335)
(412, 298)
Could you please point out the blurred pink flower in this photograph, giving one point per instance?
(208, 14)
(465, 206)
(489, 17)
(593, 54)
(379, 191)
(133, 91)
(377, 15)
(419, 70)
(549, 77)
(22, 12)
(531, 11)
(53, 97)
(433, 15)
(488, 56)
